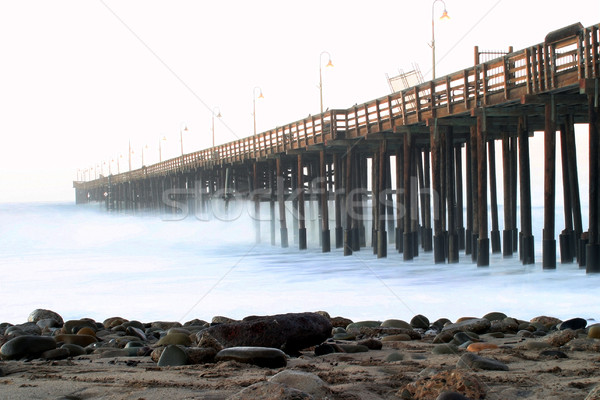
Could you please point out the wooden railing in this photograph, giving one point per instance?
(536, 69)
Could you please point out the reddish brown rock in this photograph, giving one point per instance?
(429, 388)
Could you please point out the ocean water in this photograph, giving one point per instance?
(81, 261)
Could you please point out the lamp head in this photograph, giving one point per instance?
(219, 115)
(329, 64)
(260, 96)
(445, 15)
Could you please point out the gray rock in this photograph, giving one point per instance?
(494, 316)
(371, 344)
(261, 356)
(133, 331)
(28, 328)
(471, 360)
(73, 326)
(74, 350)
(395, 356)
(48, 323)
(574, 323)
(396, 323)
(344, 336)
(172, 356)
(477, 325)
(306, 382)
(56, 354)
(445, 349)
(270, 391)
(200, 355)
(289, 332)
(165, 325)
(26, 346)
(39, 314)
(461, 337)
(364, 324)
(216, 320)
(419, 322)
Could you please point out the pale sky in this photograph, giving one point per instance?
(79, 79)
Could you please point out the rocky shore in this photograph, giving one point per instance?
(300, 356)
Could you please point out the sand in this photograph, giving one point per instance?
(365, 375)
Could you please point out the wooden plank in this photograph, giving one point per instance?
(595, 51)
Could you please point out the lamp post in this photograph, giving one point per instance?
(181, 137)
(164, 138)
(444, 16)
(213, 123)
(260, 96)
(130, 152)
(329, 64)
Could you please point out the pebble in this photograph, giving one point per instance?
(395, 356)
(460, 338)
(535, 345)
(201, 355)
(477, 325)
(419, 322)
(471, 360)
(477, 347)
(74, 349)
(396, 338)
(172, 356)
(395, 323)
(73, 326)
(364, 324)
(547, 322)
(371, 344)
(344, 336)
(560, 338)
(495, 316)
(353, 348)
(26, 346)
(574, 323)
(553, 354)
(133, 331)
(306, 382)
(40, 314)
(270, 391)
(81, 340)
(175, 338)
(260, 356)
(56, 354)
(445, 349)
(594, 332)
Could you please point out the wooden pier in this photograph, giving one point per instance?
(429, 134)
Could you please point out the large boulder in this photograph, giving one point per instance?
(288, 332)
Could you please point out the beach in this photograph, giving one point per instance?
(499, 358)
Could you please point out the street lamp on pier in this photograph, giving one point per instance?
(443, 17)
(260, 96)
(181, 136)
(329, 64)
(143, 147)
(218, 114)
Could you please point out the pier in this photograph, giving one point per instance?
(402, 158)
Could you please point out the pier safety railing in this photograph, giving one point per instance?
(543, 67)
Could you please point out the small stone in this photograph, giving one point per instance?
(440, 323)
(172, 356)
(340, 322)
(270, 391)
(477, 347)
(26, 346)
(430, 387)
(56, 354)
(574, 323)
(48, 323)
(261, 356)
(525, 334)
(39, 314)
(111, 322)
(395, 323)
(86, 330)
(419, 322)
(560, 338)
(548, 322)
(594, 332)
(371, 344)
(218, 319)
(443, 337)
(396, 338)
(535, 345)
(471, 360)
(494, 316)
(353, 348)
(445, 349)
(451, 396)
(344, 336)
(497, 335)
(306, 382)
(200, 355)
(395, 356)
(137, 324)
(460, 338)
(81, 340)
(28, 328)
(165, 325)
(477, 325)
(176, 339)
(324, 348)
(74, 349)
(553, 354)
(364, 324)
(113, 353)
(133, 331)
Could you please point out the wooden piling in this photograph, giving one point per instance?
(527, 254)
(381, 228)
(400, 208)
(548, 241)
(451, 198)
(469, 192)
(574, 186)
(407, 245)
(427, 232)
(566, 237)
(483, 242)
(325, 233)
(495, 233)
(389, 201)
(507, 240)
(439, 255)
(474, 192)
(281, 201)
(302, 244)
(337, 174)
(348, 240)
(593, 246)
(460, 227)
(272, 182)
